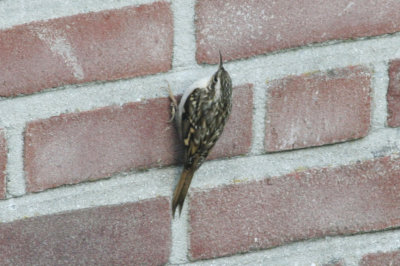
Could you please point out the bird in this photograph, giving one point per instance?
(200, 118)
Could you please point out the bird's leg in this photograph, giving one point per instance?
(174, 104)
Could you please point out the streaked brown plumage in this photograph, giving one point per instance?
(202, 113)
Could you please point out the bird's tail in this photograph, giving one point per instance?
(182, 189)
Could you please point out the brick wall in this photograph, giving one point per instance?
(307, 171)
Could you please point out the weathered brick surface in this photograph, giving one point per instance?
(302, 205)
(107, 45)
(3, 162)
(381, 258)
(245, 28)
(71, 148)
(128, 234)
(317, 109)
(393, 95)
(83, 146)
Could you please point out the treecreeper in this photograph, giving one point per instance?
(200, 119)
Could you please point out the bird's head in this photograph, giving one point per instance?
(221, 81)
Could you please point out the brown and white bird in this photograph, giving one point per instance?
(202, 113)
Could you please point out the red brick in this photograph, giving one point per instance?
(380, 258)
(393, 95)
(129, 234)
(311, 204)
(3, 162)
(71, 148)
(317, 109)
(107, 45)
(246, 28)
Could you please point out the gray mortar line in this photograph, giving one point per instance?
(76, 98)
(137, 186)
(315, 252)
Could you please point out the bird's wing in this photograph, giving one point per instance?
(200, 129)
(201, 83)
(189, 120)
(191, 126)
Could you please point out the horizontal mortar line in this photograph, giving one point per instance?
(258, 69)
(12, 13)
(121, 188)
(243, 169)
(350, 247)
(137, 186)
(322, 57)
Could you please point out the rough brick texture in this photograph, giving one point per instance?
(317, 109)
(107, 45)
(380, 258)
(129, 234)
(245, 28)
(71, 148)
(302, 205)
(3, 162)
(393, 95)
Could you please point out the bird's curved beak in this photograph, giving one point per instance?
(220, 59)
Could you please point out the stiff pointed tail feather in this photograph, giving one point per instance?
(181, 190)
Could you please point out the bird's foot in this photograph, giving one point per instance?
(174, 104)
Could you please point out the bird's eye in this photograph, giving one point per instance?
(215, 78)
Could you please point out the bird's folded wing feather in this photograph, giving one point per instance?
(191, 130)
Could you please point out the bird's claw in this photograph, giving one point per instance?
(173, 112)
(174, 104)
